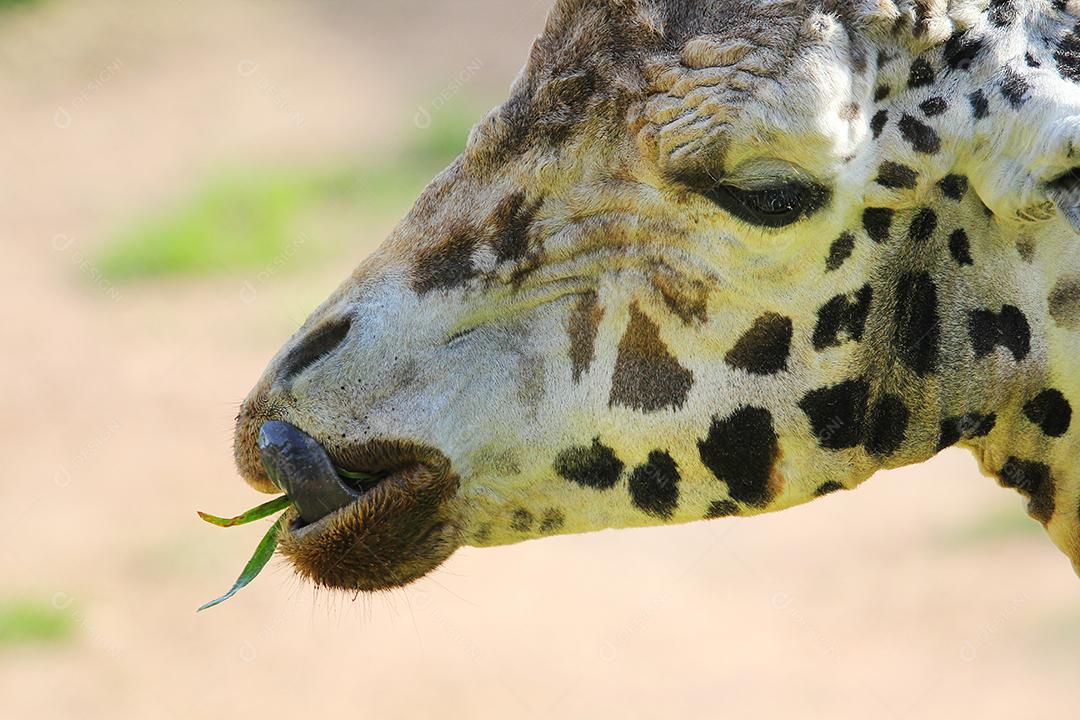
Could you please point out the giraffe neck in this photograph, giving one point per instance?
(1033, 446)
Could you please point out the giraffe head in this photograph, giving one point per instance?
(708, 259)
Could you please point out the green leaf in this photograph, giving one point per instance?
(263, 553)
(354, 475)
(258, 513)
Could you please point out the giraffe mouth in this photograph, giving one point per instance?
(381, 521)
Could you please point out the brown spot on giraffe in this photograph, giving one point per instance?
(765, 347)
(1025, 246)
(687, 298)
(449, 265)
(647, 376)
(510, 223)
(1064, 302)
(1034, 481)
(582, 327)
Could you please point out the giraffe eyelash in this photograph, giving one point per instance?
(772, 207)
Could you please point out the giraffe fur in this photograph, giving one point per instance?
(713, 259)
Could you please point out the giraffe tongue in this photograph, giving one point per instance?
(298, 465)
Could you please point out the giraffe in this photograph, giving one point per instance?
(710, 258)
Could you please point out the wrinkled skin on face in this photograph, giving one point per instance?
(709, 259)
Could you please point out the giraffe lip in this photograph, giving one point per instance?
(391, 534)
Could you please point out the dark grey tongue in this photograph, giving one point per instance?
(300, 467)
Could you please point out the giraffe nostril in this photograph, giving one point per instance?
(318, 344)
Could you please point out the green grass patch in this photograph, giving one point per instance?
(266, 220)
(31, 622)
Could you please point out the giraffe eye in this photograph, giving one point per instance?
(774, 206)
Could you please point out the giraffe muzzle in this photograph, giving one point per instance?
(384, 530)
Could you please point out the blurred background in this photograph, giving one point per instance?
(182, 182)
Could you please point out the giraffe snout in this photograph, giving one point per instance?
(273, 397)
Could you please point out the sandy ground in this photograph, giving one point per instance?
(120, 400)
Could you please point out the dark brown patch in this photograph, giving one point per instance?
(922, 226)
(961, 50)
(839, 251)
(965, 427)
(562, 103)
(877, 222)
(1015, 88)
(896, 176)
(843, 319)
(953, 186)
(1025, 246)
(595, 466)
(1008, 329)
(827, 488)
(932, 107)
(922, 137)
(721, 508)
(521, 520)
(960, 247)
(647, 376)
(1034, 481)
(688, 299)
(1067, 55)
(741, 450)
(980, 105)
(764, 348)
(886, 425)
(511, 222)
(917, 331)
(552, 520)
(654, 486)
(877, 123)
(582, 326)
(1050, 411)
(446, 266)
(525, 268)
(921, 73)
(571, 76)
(837, 413)
(1064, 302)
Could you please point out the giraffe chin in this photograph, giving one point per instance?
(383, 537)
